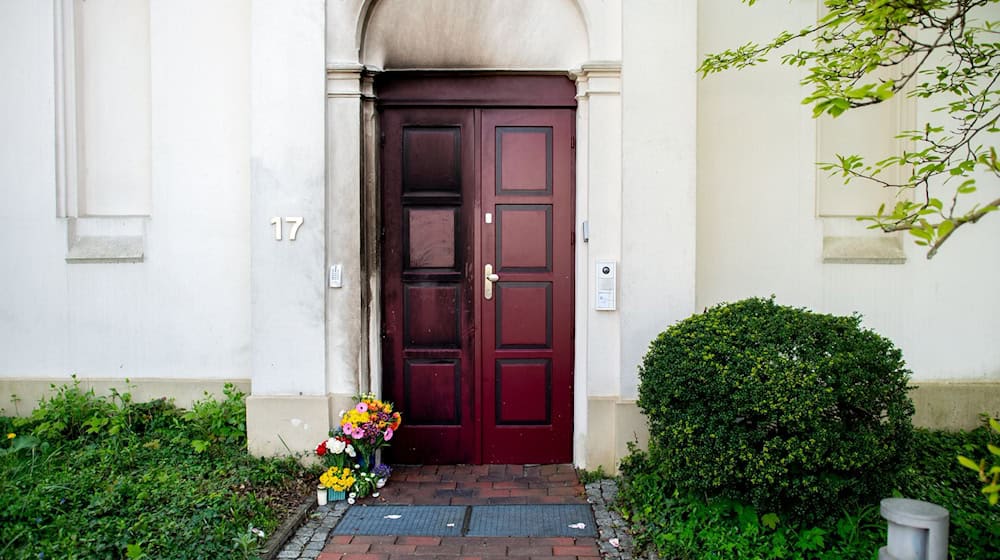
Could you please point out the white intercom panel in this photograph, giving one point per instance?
(607, 286)
(336, 276)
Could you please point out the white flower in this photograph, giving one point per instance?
(380, 483)
(258, 532)
(335, 446)
(349, 450)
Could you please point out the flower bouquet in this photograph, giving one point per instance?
(337, 481)
(369, 426)
(349, 453)
(335, 454)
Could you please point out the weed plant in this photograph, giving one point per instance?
(88, 476)
(685, 526)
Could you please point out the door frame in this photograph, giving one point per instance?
(438, 89)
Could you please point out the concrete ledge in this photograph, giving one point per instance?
(109, 239)
(286, 424)
(28, 391)
(863, 250)
(954, 405)
(611, 424)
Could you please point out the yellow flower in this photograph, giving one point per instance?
(11, 435)
(337, 479)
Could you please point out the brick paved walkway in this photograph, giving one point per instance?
(471, 485)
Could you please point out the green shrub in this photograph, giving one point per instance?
(791, 411)
(682, 526)
(679, 525)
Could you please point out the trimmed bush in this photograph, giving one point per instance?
(792, 411)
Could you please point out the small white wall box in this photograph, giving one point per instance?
(607, 286)
(336, 276)
(917, 530)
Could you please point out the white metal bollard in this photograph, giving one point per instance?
(917, 530)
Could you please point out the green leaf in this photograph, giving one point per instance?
(945, 227)
(770, 520)
(969, 463)
(133, 551)
(967, 187)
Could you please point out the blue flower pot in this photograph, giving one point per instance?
(335, 495)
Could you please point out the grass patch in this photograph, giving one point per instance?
(688, 527)
(103, 477)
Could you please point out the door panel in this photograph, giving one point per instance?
(527, 345)
(479, 380)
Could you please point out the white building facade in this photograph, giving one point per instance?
(192, 193)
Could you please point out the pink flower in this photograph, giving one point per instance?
(361, 407)
(388, 434)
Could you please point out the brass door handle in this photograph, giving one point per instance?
(490, 278)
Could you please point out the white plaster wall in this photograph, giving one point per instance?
(184, 312)
(758, 233)
(659, 88)
(288, 162)
(345, 328)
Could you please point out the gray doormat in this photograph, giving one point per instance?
(532, 521)
(470, 521)
(430, 521)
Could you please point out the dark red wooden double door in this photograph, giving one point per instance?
(477, 281)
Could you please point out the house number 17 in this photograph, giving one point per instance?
(295, 221)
